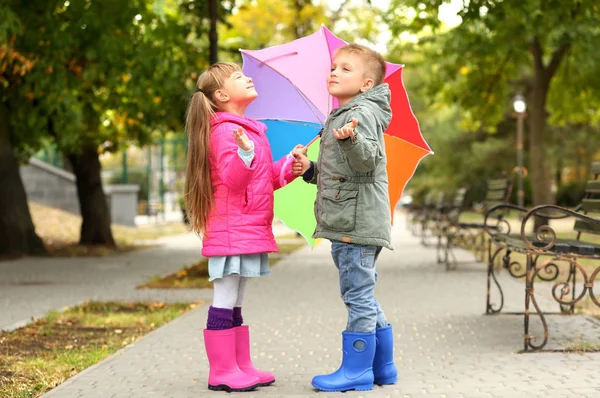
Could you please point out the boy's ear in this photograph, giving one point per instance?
(367, 85)
(221, 95)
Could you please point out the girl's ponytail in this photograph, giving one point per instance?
(199, 199)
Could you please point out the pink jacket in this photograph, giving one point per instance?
(243, 215)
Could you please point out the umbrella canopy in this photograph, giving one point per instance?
(291, 80)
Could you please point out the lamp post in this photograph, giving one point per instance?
(520, 107)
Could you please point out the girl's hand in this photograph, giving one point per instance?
(301, 163)
(242, 139)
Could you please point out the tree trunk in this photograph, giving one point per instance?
(17, 233)
(541, 175)
(95, 227)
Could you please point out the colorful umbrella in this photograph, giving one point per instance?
(291, 80)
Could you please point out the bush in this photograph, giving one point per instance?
(134, 177)
(570, 194)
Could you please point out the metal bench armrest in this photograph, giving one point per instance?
(545, 232)
(496, 215)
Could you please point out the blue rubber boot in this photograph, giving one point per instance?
(356, 371)
(384, 370)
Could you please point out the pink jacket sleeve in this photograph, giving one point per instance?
(282, 172)
(230, 167)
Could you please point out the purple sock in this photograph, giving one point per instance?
(237, 317)
(219, 318)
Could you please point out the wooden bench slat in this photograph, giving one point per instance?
(591, 205)
(497, 184)
(587, 227)
(495, 195)
(492, 203)
(595, 169)
(592, 186)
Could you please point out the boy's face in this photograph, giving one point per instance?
(237, 88)
(347, 78)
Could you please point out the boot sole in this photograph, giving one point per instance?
(268, 383)
(225, 387)
(389, 380)
(362, 387)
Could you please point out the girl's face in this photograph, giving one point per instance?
(239, 89)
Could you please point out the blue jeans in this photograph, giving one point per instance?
(356, 264)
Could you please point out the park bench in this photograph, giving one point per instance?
(431, 225)
(426, 217)
(546, 252)
(417, 212)
(468, 235)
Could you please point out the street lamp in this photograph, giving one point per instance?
(520, 106)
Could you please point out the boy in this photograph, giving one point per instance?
(353, 211)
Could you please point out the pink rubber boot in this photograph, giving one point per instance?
(242, 345)
(225, 375)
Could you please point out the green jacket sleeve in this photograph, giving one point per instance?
(365, 150)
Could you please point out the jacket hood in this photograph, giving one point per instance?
(377, 100)
(247, 123)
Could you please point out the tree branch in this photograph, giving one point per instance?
(496, 77)
(556, 59)
(538, 54)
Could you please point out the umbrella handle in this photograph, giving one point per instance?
(288, 162)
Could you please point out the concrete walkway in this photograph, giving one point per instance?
(445, 346)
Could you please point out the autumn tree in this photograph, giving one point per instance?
(104, 73)
(499, 49)
(17, 233)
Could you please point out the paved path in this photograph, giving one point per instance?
(444, 346)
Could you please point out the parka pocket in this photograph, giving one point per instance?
(339, 209)
(246, 201)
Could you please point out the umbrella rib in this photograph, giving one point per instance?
(309, 103)
(428, 150)
(281, 56)
(323, 28)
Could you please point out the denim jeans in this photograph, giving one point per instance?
(356, 264)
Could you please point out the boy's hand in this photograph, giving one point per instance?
(242, 139)
(300, 149)
(347, 131)
(301, 164)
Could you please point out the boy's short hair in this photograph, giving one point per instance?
(374, 62)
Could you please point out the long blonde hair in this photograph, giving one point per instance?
(199, 195)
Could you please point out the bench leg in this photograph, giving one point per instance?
(480, 248)
(450, 262)
(532, 274)
(570, 308)
(489, 308)
(528, 294)
(423, 232)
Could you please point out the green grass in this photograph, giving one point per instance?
(40, 356)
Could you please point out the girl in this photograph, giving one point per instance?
(230, 179)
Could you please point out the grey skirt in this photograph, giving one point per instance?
(248, 265)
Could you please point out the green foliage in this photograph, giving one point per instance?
(104, 73)
(476, 67)
(9, 24)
